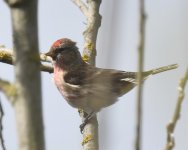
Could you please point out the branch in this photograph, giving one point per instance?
(9, 90)
(139, 77)
(172, 124)
(46, 68)
(91, 31)
(91, 12)
(6, 56)
(90, 133)
(1, 127)
(82, 6)
(28, 104)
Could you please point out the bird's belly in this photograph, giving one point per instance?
(94, 99)
(73, 97)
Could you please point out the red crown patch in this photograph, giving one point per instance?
(57, 43)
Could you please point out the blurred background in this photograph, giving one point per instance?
(166, 43)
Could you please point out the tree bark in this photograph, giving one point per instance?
(28, 101)
(91, 11)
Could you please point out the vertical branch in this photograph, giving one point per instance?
(91, 31)
(91, 12)
(140, 70)
(89, 54)
(2, 144)
(28, 101)
(172, 124)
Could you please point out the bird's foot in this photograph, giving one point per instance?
(86, 120)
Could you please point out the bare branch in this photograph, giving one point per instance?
(82, 6)
(90, 133)
(1, 127)
(140, 78)
(46, 68)
(9, 90)
(28, 104)
(91, 11)
(172, 124)
(7, 57)
(91, 31)
(89, 54)
(45, 58)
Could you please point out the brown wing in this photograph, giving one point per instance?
(92, 78)
(123, 82)
(126, 81)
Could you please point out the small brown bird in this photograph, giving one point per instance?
(87, 87)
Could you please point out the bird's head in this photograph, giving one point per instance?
(64, 51)
(61, 46)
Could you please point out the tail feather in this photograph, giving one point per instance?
(130, 80)
(165, 68)
(132, 75)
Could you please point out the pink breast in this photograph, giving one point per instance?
(61, 85)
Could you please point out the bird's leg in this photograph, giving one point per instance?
(86, 120)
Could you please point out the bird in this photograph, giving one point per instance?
(88, 87)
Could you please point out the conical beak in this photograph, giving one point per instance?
(50, 53)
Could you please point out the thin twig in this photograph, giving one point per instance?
(9, 53)
(172, 124)
(138, 141)
(6, 56)
(1, 127)
(83, 7)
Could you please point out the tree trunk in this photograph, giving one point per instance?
(28, 102)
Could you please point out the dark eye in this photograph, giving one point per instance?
(59, 50)
(57, 53)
